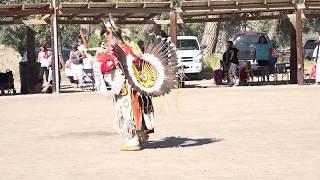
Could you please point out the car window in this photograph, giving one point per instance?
(243, 41)
(310, 45)
(187, 44)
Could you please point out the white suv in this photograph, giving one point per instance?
(189, 54)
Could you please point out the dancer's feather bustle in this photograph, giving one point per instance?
(159, 59)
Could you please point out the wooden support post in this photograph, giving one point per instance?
(32, 67)
(54, 46)
(52, 49)
(300, 60)
(173, 25)
(293, 58)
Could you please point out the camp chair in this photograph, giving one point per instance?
(281, 69)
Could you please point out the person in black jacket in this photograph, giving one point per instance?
(231, 56)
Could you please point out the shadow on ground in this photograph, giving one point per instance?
(80, 135)
(174, 142)
(69, 89)
(200, 84)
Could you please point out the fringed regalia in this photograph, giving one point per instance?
(136, 77)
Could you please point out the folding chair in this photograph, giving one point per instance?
(307, 77)
(281, 69)
(272, 71)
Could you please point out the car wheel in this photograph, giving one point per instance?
(2, 93)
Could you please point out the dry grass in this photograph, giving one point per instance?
(212, 62)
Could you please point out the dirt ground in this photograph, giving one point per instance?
(237, 133)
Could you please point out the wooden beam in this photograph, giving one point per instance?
(100, 16)
(152, 15)
(17, 8)
(312, 5)
(45, 16)
(113, 10)
(25, 12)
(73, 15)
(136, 22)
(163, 22)
(20, 17)
(42, 7)
(253, 7)
(125, 16)
(78, 22)
(232, 18)
(26, 22)
(96, 20)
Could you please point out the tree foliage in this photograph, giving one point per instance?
(14, 36)
(195, 29)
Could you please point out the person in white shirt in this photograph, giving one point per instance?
(316, 59)
(44, 58)
(76, 57)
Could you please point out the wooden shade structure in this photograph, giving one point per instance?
(145, 13)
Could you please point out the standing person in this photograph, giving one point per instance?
(316, 61)
(263, 56)
(225, 65)
(44, 58)
(76, 57)
(233, 62)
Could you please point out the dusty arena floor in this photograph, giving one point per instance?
(262, 133)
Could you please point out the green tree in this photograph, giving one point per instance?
(69, 35)
(43, 35)
(195, 29)
(14, 36)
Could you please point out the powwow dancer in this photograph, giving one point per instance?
(136, 77)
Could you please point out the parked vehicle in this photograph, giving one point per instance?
(189, 54)
(245, 42)
(309, 47)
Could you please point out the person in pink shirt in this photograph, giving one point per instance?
(44, 58)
